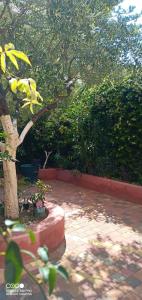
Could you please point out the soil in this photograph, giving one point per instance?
(26, 217)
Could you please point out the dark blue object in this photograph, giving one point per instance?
(30, 171)
(36, 162)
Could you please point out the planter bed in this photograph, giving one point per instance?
(49, 232)
(126, 191)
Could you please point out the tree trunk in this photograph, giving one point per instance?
(10, 190)
(9, 168)
(11, 143)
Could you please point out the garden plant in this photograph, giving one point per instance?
(28, 95)
(46, 272)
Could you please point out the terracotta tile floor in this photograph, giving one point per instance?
(103, 246)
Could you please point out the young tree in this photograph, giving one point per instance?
(12, 138)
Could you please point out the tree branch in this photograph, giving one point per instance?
(24, 132)
(35, 117)
(46, 158)
(49, 107)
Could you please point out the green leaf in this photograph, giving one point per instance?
(13, 263)
(21, 55)
(19, 228)
(13, 85)
(36, 102)
(62, 271)
(9, 46)
(25, 104)
(32, 236)
(39, 96)
(10, 222)
(43, 253)
(44, 271)
(23, 86)
(52, 279)
(3, 62)
(32, 84)
(13, 59)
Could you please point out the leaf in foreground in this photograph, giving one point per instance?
(13, 263)
(52, 279)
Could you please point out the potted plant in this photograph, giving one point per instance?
(38, 199)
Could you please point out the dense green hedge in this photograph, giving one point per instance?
(100, 132)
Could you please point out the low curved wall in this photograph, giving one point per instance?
(48, 232)
(123, 190)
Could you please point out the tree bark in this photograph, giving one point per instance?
(9, 168)
(11, 143)
(10, 190)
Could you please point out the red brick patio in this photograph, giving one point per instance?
(103, 246)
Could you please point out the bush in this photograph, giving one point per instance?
(100, 132)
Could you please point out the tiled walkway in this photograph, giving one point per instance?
(103, 246)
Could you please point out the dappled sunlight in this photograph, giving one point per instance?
(103, 247)
(104, 242)
(106, 211)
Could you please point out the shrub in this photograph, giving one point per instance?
(100, 132)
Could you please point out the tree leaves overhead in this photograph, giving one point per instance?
(21, 55)
(73, 40)
(3, 62)
(28, 87)
(12, 54)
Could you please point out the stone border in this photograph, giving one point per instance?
(123, 190)
(49, 232)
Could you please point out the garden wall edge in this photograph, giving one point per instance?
(48, 232)
(123, 190)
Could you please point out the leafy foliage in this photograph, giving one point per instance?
(14, 265)
(99, 132)
(26, 86)
(69, 41)
(10, 52)
(42, 190)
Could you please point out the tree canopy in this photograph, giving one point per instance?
(72, 41)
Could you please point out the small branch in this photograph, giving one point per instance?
(24, 132)
(47, 157)
(43, 110)
(35, 281)
(33, 120)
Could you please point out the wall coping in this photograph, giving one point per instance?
(48, 232)
(119, 189)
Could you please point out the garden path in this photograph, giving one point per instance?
(103, 245)
(103, 251)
